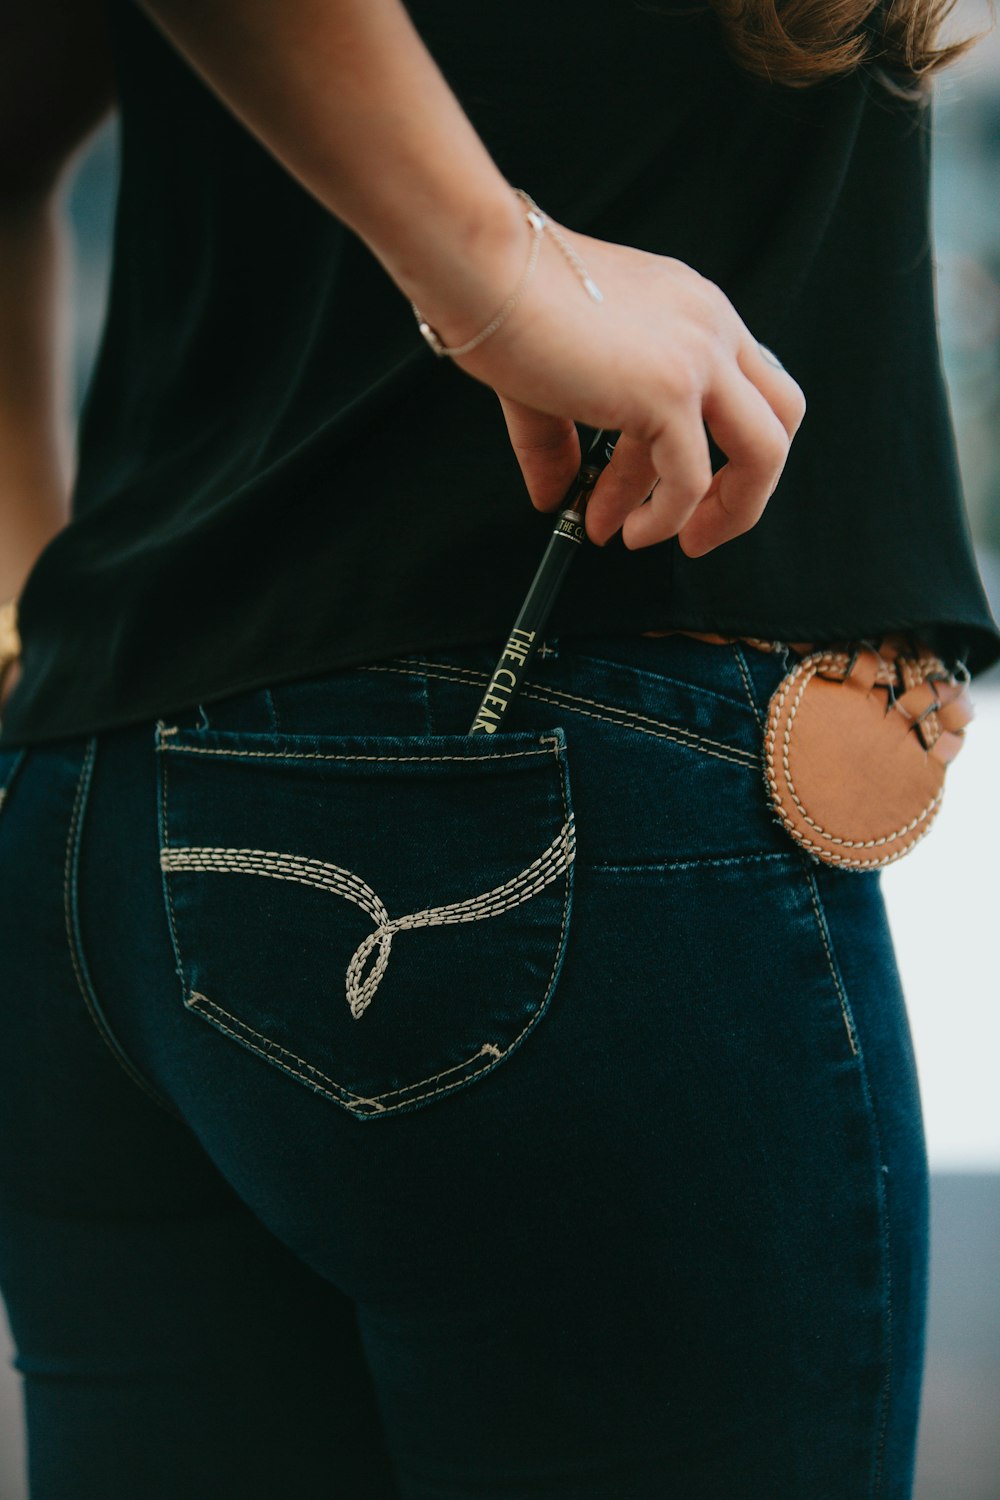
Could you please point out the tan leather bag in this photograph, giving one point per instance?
(857, 743)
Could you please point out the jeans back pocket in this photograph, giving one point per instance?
(382, 917)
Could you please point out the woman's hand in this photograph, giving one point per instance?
(662, 357)
(346, 96)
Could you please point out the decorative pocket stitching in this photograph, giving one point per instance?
(555, 860)
(328, 877)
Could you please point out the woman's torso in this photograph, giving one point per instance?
(277, 478)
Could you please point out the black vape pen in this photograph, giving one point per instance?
(526, 633)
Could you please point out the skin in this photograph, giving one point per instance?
(55, 87)
(348, 99)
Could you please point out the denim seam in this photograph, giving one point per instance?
(197, 1003)
(688, 864)
(554, 695)
(627, 718)
(337, 1092)
(74, 940)
(333, 1090)
(164, 837)
(744, 673)
(653, 676)
(880, 1194)
(272, 711)
(834, 968)
(316, 755)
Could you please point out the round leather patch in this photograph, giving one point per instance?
(856, 748)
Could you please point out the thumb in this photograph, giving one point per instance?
(547, 450)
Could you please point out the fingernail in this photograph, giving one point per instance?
(770, 355)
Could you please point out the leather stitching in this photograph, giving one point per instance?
(806, 670)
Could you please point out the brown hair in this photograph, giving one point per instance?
(799, 43)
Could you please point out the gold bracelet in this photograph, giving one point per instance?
(10, 640)
(538, 222)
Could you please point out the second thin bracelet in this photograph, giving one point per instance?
(538, 221)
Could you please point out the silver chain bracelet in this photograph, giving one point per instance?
(538, 221)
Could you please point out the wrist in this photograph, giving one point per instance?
(458, 265)
(539, 222)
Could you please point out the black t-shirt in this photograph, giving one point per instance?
(278, 478)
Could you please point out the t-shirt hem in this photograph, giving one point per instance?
(17, 730)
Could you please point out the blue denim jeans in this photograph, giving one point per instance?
(396, 1114)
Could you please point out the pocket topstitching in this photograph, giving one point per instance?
(382, 917)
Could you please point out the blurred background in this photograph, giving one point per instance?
(943, 897)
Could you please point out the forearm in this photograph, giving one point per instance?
(345, 94)
(35, 423)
